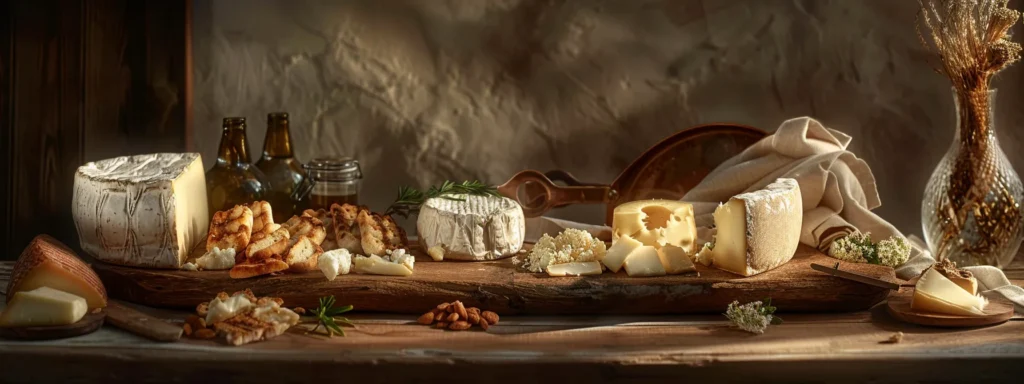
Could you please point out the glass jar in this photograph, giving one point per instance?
(329, 181)
(233, 180)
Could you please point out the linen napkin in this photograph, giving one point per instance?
(838, 192)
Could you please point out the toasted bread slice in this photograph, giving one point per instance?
(371, 233)
(269, 246)
(257, 268)
(303, 255)
(346, 229)
(230, 229)
(309, 226)
(256, 324)
(394, 236)
(262, 217)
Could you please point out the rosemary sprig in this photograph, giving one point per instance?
(410, 199)
(327, 316)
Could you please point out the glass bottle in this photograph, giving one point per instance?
(329, 181)
(279, 164)
(233, 180)
(971, 211)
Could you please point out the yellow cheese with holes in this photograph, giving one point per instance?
(644, 261)
(616, 255)
(937, 293)
(656, 223)
(760, 230)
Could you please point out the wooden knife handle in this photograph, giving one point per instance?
(140, 323)
(537, 194)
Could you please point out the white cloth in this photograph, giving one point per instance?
(838, 192)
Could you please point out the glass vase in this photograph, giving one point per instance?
(971, 212)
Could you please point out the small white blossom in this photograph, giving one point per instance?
(750, 317)
(894, 251)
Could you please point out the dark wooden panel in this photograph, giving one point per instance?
(6, 119)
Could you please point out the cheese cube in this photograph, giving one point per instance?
(43, 307)
(616, 255)
(644, 261)
(936, 293)
(577, 268)
(656, 223)
(675, 260)
(758, 231)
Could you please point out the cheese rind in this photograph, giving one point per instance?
(643, 262)
(758, 231)
(476, 228)
(616, 255)
(656, 223)
(143, 211)
(43, 307)
(934, 292)
(47, 262)
(577, 268)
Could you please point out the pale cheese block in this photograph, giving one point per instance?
(758, 231)
(656, 223)
(643, 262)
(937, 293)
(675, 260)
(375, 265)
(141, 211)
(47, 262)
(616, 255)
(43, 306)
(476, 228)
(576, 268)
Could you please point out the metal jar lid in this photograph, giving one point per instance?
(333, 169)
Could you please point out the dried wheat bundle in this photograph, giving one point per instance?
(971, 39)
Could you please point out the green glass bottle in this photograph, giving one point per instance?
(279, 164)
(233, 179)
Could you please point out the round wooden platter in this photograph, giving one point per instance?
(88, 324)
(997, 311)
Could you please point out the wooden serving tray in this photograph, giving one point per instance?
(505, 288)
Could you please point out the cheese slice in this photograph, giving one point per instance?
(470, 227)
(675, 260)
(220, 310)
(47, 262)
(656, 223)
(576, 268)
(142, 211)
(616, 255)
(375, 265)
(758, 231)
(936, 293)
(43, 307)
(644, 261)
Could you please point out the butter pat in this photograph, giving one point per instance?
(758, 231)
(935, 292)
(616, 255)
(656, 223)
(43, 306)
(578, 268)
(644, 261)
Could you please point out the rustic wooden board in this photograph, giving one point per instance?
(501, 287)
(998, 311)
(88, 324)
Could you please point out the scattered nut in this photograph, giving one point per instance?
(484, 325)
(491, 317)
(450, 309)
(441, 325)
(195, 322)
(894, 339)
(439, 316)
(187, 329)
(205, 333)
(473, 310)
(453, 317)
(473, 318)
(443, 306)
(459, 326)
(426, 318)
(202, 322)
(299, 310)
(97, 310)
(460, 309)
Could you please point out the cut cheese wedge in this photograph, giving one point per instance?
(936, 293)
(758, 231)
(47, 262)
(578, 268)
(43, 307)
(675, 260)
(375, 265)
(656, 223)
(616, 255)
(644, 261)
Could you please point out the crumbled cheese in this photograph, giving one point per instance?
(572, 245)
(705, 255)
(334, 263)
(190, 266)
(436, 252)
(217, 259)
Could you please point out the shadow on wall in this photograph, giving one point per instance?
(421, 92)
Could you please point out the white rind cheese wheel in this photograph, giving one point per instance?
(758, 231)
(656, 223)
(476, 228)
(142, 211)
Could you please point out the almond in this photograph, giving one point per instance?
(299, 310)
(205, 333)
(426, 319)
(453, 317)
(439, 316)
(450, 308)
(491, 317)
(460, 309)
(443, 306)
(187, 329)
(473, 318)
(484, 325)
(473, 310)
(459, 326)
(440, 325)
(195, 323)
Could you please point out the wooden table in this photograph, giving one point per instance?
(387, 348)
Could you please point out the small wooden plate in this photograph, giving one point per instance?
(998, 311)
(89, 324)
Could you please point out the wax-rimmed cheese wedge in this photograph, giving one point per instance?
(47, 262)
(43, 306)
(675, 260)
(578, 268)
(758, 231)
(616, 255)
(960, 277)
(644, 261)
(656, 223)
(375, 265)
(936, 293)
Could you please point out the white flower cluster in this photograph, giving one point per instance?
(569, 246)
(749, 317)
(894, 251)
(858, 248)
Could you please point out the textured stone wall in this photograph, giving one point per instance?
(423, 91)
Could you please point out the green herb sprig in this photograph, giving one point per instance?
(327, 316)
(410, 199)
